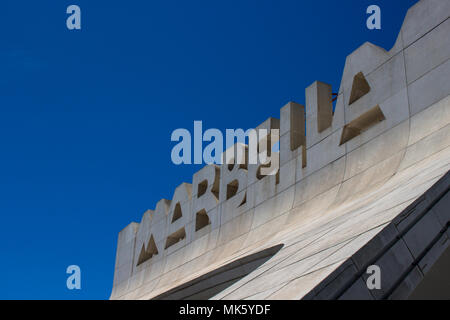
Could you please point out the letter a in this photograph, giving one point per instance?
(74, 281)
(183, 147)
(374, 281)
(74, 20)
(374, 21)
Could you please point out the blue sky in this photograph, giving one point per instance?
(86, 116)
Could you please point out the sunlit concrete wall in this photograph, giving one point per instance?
(355, 172)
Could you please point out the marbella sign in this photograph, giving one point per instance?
(252, 156)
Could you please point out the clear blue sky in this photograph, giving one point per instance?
(86, 116)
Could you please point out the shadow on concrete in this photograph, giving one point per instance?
(210, 284)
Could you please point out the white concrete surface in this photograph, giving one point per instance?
(330, 199)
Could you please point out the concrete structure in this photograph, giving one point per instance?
(365, 184)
